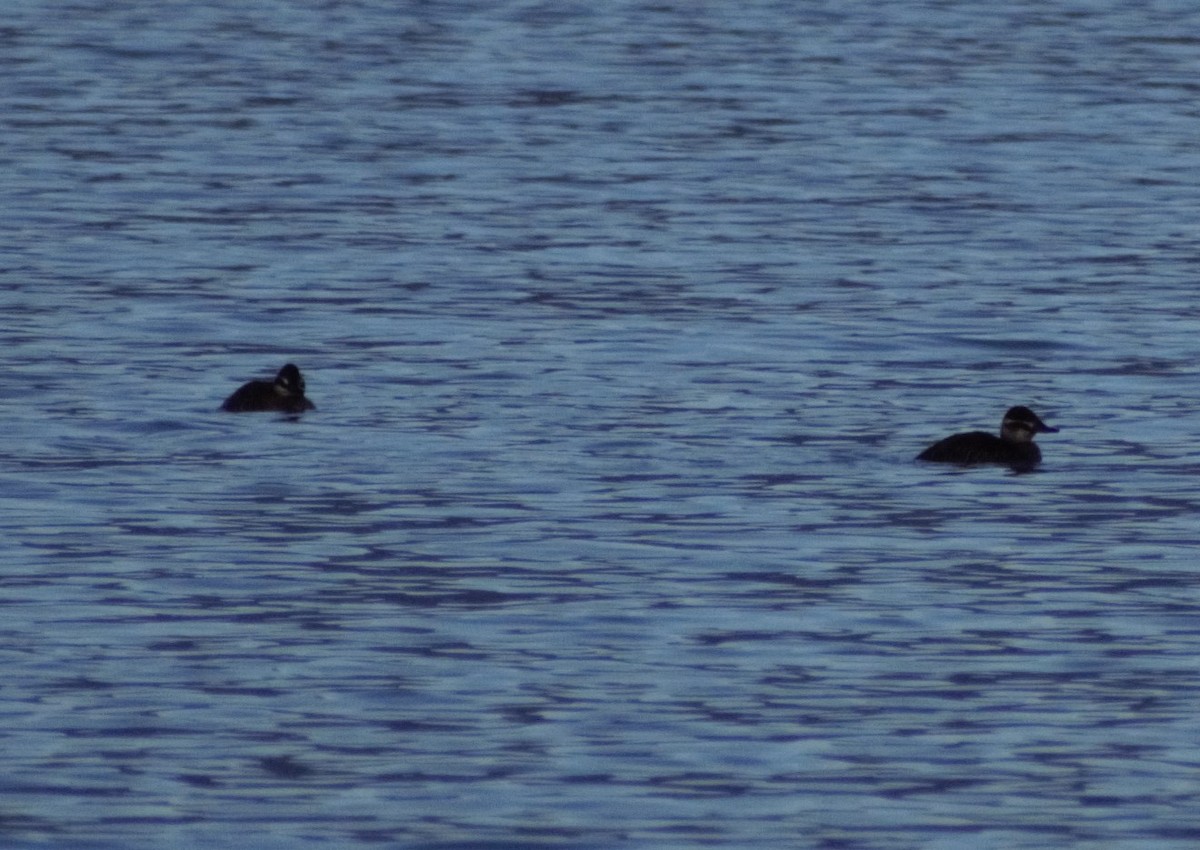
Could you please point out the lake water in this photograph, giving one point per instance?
(624, 323)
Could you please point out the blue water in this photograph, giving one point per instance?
(624, 322)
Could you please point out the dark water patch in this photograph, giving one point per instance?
(284, 767)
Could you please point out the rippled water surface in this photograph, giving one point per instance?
(624, 323)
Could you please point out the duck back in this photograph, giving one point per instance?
(261, 396)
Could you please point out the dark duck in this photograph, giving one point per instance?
(285, 394)
(1014, 447)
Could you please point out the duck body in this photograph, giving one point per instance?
(1014, 447)
(981, 447)
(285, 394)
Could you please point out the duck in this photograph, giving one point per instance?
(285, 394)
(1014, 447)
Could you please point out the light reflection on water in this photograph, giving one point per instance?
(606, 529)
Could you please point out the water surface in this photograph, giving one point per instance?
(623, 325)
